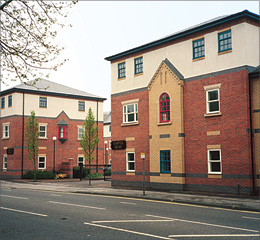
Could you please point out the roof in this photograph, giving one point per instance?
(43, 86)
(107, 117)
(207, 24)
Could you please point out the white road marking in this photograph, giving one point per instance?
(14, 197)
(76, 205)
(215, 235)
(252, 218)
(128, 203)
(128, 231)
(129, 221)
(21, 211)
(207, 224)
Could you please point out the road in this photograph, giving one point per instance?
(34, 214)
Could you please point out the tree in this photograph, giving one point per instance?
(89, 140)
(32, 139)
(27, 32)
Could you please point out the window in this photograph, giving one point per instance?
(214, 161)
(198, 48)
(41, 162)
(10, 101)
(130, 113)
(42, 131)
(43, 102)
(130, 161)
(164, 108)
(121, 70)
(5, 162)
(165, 161)
(138, 65)
(224, 41)
(63, 132)
(213, 101)
(80, 132)
(81, 160)
(3, 102)
(6, 130)
(109, 128)
(81, 106)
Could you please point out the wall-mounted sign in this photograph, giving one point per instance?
(10, 151)
(118, 145)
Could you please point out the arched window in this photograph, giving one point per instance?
(164, 108)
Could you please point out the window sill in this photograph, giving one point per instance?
(164, 123)
(214, 175)
(43, 138)
(223, 52)
(130, 173)
(212, 114)
(123, 78)
(138, 74)
(129, 124)
(5, 170)
(5, 138)
(197, 59)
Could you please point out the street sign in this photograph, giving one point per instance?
(118, 145)
(142, 155)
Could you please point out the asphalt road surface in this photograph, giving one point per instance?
(31, 214)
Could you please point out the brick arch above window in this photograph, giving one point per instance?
(164, 105)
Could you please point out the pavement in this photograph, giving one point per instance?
(101, 187)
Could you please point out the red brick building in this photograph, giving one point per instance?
(190, 102)
(60, 111)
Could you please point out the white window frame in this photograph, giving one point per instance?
(6, 132)
(212, 161)
(5, 162)
(80, 127)
(45, 131)
(127, 162)
(41, 162)
(126, 114)
(212, 101)
(81, 156)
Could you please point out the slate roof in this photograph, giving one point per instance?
(48, 87)
(196, 28)
(107, 117)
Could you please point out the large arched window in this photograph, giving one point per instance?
(164, 108)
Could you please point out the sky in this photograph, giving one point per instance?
(104, 28)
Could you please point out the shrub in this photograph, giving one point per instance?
(39, 175)
(76, 172)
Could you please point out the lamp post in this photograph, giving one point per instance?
(54, 139)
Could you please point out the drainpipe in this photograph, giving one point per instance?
(22, 137)
(251, 136)
(97, 145)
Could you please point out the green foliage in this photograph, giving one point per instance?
(94, 175)
(39, 175)
(76, 172)
(28, 31)
(32, 138)
(90, 139)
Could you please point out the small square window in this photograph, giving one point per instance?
(81, 160)
(42, 162)
(198, 48)
(213, 101)
(43, 102)
(3, 102)
(130, 113)
(224, 41)
(81, 106)
(165, 161)
(42, 131)
(130, 161)
(138, 65)
(10, 101)
(214, 161)
(121, 70)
